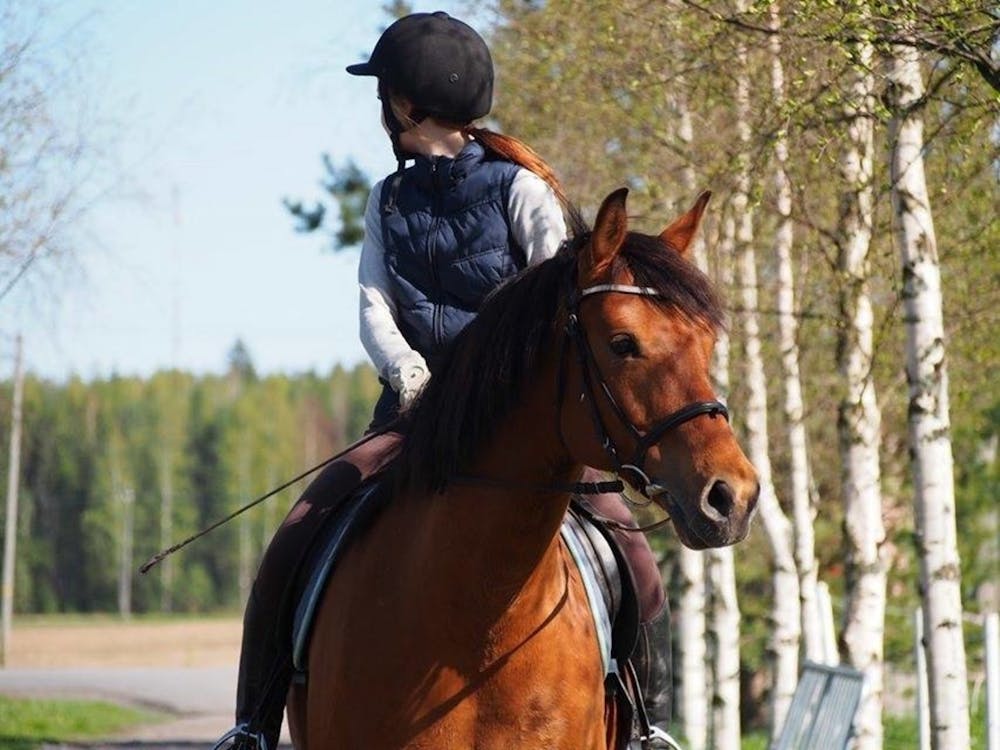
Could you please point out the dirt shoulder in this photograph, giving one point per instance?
(103, 641)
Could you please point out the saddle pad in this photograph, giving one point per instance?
(595, 559)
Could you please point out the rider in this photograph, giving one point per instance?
(474, 208)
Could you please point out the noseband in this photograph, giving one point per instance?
(576, 334)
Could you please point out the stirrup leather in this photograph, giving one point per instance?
(231, 740)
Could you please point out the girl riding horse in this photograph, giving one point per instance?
(460, 619)
(473, 209)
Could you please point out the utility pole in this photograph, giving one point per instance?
(10, 527)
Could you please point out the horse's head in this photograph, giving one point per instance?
(641, 329)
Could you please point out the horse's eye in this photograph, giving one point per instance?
(624, 345)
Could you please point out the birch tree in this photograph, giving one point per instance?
(785, 611)
(927, 416)
(692, 652)
(690, 617)
(859, 420)
(803, 512)
(48, 162)
(723, 615)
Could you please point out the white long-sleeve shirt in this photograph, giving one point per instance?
(536, 222)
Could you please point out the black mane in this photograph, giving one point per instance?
(497, 355)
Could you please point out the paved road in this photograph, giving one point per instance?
(201, 699)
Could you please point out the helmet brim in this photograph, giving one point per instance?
(362, 69)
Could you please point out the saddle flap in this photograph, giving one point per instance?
(358, 511)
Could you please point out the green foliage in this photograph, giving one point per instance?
(25, 724)
(754, 741)
(397, 8)
(902, 733)
(188, 450)
(347, 187)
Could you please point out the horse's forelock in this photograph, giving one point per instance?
(682, 286)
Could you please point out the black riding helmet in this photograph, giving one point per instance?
(437, 62)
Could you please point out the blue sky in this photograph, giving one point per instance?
(220, 109)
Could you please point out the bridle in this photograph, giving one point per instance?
(577, 335)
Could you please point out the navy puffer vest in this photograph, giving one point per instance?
(447, 243)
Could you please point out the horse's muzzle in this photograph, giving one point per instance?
(721, 517)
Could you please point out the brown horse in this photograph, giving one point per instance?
(458, 621)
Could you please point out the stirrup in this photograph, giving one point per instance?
(658, 738)
(231, 739)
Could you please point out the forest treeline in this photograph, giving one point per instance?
(115, 469)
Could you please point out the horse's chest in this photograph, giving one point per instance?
(536, 681)
(542, 684)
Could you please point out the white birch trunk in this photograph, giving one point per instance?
(825, 605)
(692, 652)
(723, 614)
(929, 426)
(691, 657)
(803, 512)
(785, 610)
(13, 489)
(126, 499)
(859, 423)
(724, 640)
(165, 470)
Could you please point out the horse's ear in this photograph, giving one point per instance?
(680, 233)
(608, 235)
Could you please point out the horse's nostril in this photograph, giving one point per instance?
(721, 498)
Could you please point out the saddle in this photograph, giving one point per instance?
(603, 569)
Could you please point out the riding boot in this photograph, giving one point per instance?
(653, 666)
(264, 678)
(265, 660)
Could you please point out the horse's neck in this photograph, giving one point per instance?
(502, 525)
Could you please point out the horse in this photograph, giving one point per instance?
(458, 620)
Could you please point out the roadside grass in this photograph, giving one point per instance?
(900, 733)
(26, 723)
(754, 741)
